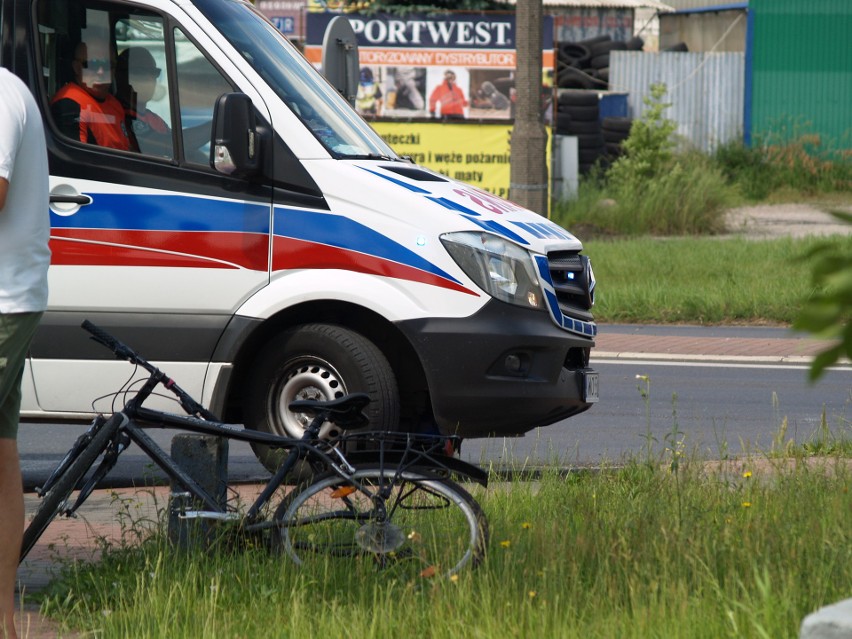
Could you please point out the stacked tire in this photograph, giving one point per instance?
(615, 131)
(578, 115)
(585, 64)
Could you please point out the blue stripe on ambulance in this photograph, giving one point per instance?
(147, 212)
(345, 233)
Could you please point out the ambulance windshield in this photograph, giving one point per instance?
(331, 119)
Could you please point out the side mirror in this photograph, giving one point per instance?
(235, 148)
(340, 57)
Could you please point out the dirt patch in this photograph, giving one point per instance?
(767, 221)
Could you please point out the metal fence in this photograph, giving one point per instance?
(706, 91)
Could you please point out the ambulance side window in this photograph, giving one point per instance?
(104, 75)
(123, 78)
(199, 85)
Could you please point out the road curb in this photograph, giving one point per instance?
(748, 359)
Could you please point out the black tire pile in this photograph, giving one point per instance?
(585, 64)
(578, 114)
(598, 141)
(615, 131)
(582, 69)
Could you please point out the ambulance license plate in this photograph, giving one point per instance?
(591, 384)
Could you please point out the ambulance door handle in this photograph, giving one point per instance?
(79, 200)
(66, 200)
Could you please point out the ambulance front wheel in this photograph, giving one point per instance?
(317, 361)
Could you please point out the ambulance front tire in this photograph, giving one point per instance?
(316, 361)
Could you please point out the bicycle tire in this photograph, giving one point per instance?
(433, 527)
(64, 485)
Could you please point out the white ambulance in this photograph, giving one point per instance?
(285, 251)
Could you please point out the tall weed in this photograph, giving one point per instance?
(783, 169)
(650, 189)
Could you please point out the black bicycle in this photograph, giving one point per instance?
(389, 497)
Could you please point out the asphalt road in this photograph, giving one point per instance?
(715, 408)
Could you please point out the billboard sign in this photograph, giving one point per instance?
(452, 66)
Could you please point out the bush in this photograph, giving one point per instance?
(747, 168)
(648, 149)
(801, 165)
(828, 313)
(650, 189)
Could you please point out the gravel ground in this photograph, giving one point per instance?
(768, 221)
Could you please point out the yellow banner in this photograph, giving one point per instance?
(477, 154)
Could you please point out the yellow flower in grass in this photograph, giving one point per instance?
(746, 504)
(526, 525)
(532, 594)
(747, 474)
(506, 543)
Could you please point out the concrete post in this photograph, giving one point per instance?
(528, 173)
(205, 459)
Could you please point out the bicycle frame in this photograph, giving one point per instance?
(138, 419)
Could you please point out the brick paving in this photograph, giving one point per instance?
(109, 516)
(103, 517)
(611, 344)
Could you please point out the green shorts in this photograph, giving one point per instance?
(16, 333)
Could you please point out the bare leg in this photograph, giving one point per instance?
(11, 532)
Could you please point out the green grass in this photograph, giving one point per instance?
(702, 280)
(648, 550)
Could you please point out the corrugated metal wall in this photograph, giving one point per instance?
(801, 70)
(704, 89)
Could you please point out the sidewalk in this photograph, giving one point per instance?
(108, 516)
(101, 518)
(636, 342)
(109, 513)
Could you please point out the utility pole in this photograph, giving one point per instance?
(528, 170)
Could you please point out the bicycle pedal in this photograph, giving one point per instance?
(209, 514)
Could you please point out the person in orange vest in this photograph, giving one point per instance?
(448, 98)
(84, 109)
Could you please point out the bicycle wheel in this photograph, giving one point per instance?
(65, 484)
(413, 524)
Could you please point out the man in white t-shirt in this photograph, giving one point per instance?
(24, 259)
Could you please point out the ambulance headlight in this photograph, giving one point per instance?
(502, 269)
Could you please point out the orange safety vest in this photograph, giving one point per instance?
(101, 121)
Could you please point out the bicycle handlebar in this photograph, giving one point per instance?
(123, 351)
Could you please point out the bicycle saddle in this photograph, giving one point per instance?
(346, 411)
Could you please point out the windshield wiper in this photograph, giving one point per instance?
(370, 156)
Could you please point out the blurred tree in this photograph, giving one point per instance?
(828, 312)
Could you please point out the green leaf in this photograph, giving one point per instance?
(823, 361)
